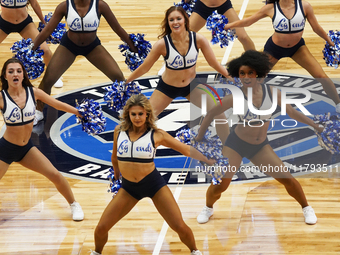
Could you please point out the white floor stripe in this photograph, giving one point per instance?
(230, 46)
(165, 226)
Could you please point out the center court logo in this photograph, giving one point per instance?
(79, 155)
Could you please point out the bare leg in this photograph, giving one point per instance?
(61, 60)
(196, 22)
(37, 162)
(267, 157)
(3, 35)
(119, 206)
(305, 59)
(168, 208)
(3, 168)
(242, 36)
(102, 59)
(159, 101)
(214, 192)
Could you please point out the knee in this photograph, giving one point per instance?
(180, 228)
(101, 230)
(243, 38)
(56, 177)
(289, 182)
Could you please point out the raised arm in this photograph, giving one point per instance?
(51, 101)
(36, 8)
(58, 14)
(114, 24)
(163, 138)
(203, 44)
(114, 159)
(314, 23)
(157, 50)
(227, 102)
(267, 10)
(296, 115)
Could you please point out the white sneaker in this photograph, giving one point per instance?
(205, 214)
(228, 113)
(310, 217)
(197, 252)
(337, 108)
(94, 253)
(77, 212)
(59, 83)
(39, 116)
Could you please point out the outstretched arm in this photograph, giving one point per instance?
(267, 10)
(114, 24)
(227, 103)
(163, 138)
(58, 14)
(36, 8)
(296, 115)
(157, 50)
(315, 24)
(114, 159)
(51, 101)
(203, 44)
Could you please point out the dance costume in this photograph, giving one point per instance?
(175, 61)
(286, 26)
(87, 24)
(142, 151)
(243, 148)
(205, 11)
(13, 115)
(9, 27)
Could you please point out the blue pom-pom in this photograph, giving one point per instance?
(211, 147)
(57, 33)
(93, 121)
(216, 23)
(329, 138)
(32, 60)
(114, 184)
(118, 93)
(331, 54)
(236, 82)
(188, 7)
(132, 59)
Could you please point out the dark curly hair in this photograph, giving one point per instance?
(4, 84)
(259, 61)
(165, 28)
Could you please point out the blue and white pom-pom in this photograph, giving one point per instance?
(216, 23)
(114, 184)
(329, 138)
(188, 7)
(132, 59)
(57, 33)
(93, 121)
(118, 93)
(331, 54)
(211, 147)
(32, 60)
(236, 82)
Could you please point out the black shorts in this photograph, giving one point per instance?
(174, 92)
(8, 27)
(10, 152)
(205, 11)
(246, 150)
(279, 52)
(147, 187)
(79, 50)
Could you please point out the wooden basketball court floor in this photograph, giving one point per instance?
(250, 218)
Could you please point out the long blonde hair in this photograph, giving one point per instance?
(142, 101)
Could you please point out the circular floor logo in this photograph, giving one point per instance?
(80, 155)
